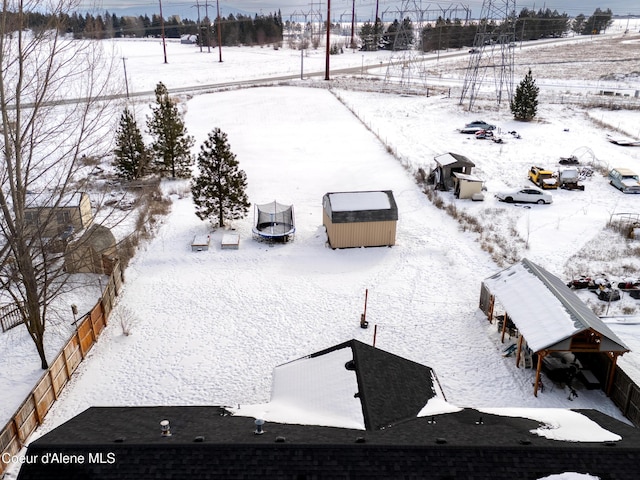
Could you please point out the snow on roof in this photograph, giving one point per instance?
(357, 201)
(541, 319)
(324, 398)
(469, 178)
(543, 308)
(559, 424)
(450, 158)
(47, 199)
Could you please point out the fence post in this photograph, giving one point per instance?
(53, 385)
(35, 408)
(66, 360)
(79, 343)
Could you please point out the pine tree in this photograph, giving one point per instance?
(524, 105)
(132, 156)
(171, 146)
(220, 188)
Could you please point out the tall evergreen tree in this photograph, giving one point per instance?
(524, 105)
(171, 146)
(219, 191)
(132, 157)
(598, 22)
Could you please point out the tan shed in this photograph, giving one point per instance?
(360, 219)
(466, 186)
(94, 252)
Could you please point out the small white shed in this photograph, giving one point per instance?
(467, 186)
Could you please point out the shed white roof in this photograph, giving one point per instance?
(450, 158)
(543, 308)
(357, 201)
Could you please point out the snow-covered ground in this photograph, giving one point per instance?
(211, 326)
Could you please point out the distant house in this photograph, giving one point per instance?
(58, 215)
(360, 219)
(350, 411)
(189, 39)
(446, 165)
(94, 252)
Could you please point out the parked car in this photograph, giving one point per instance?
(525, 195)
(543, 178)
(625, 180)
(480, 124)
(477, 126)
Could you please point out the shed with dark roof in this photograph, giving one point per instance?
(360, 219)
(446, 165)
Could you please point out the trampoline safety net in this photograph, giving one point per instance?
(274, 220)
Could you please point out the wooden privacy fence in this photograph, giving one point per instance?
(31, 413)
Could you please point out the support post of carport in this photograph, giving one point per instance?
(504, 326)
(612, 371)
(520, 337)
(538, 369)
(492, 301)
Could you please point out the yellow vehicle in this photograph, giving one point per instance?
(543, 178)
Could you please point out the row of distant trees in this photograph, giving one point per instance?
(454, 33)
(240, 29)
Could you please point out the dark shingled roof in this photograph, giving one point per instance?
(123, 443)
(390, 388)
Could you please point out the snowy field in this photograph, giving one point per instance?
(211, 326)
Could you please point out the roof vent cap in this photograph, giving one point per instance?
(199, 439)
(441, 441)
(280, 439)
(259, 423)
(165, 428)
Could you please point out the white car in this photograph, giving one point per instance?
(525, 195)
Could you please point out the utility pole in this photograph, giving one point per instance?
(353, 22)
(326, 67)
(206, 13)
(197, 5)
(126, 82)
(219, 31)
(376, 40)
(164, 45)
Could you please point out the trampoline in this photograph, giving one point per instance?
(274, 222)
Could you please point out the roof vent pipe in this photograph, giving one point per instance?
(259, 423)
(165, 428)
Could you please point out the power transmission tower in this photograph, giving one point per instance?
(492, 52)
(405, 64)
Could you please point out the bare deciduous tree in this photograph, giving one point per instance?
(45, 140)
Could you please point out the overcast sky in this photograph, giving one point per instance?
(365, 8)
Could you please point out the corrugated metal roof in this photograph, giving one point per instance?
(543, 308)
